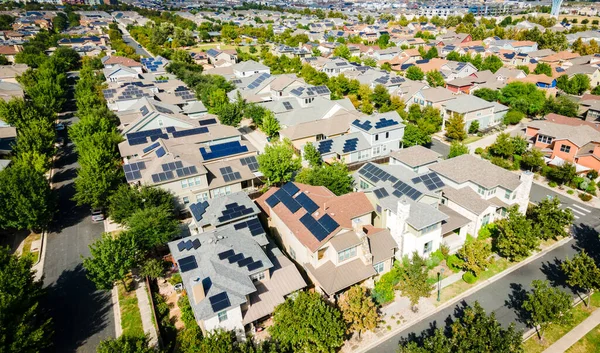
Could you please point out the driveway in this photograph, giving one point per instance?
(502, 297)
(82, 315)
(439, 147)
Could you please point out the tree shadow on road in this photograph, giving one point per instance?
(78, 311)
(554, 273)
(587, 238)
(515, 302)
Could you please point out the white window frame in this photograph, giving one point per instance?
(565, 148)
(186, 200)
(258, 276)
(222, 315)
(379, 267)
(347, 254)
(428, 248)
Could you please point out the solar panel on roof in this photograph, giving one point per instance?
(196, 244)
(245, 262)
(225, 254)
(222, 150)
(350, 145)
(305, 201)
(287, 105)
(181, 245)
(366, 125)
(160, 152)
(255, 265)
(381, 193)
(198, 209)
(170, 129)
(190, 132)
(187, 263)
(235, 258)
(219, 302)
(207, 122)
(251, 162)
(137, 141)
(291, 204)
(151, 147)
(272, 200)
(325, 146)
(328, 223)
(290, 188)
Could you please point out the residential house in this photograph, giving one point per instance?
(541, 81)
(473, 108)
(337, 66)
(416, 158)
(249, 68)
(216, 55)
(329, 236)
(9, 73)
(120, 72)
(432, 97)
(564, 139)
(233, 274)
(110, 62)
(155, 65)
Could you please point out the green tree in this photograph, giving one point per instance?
(488, 94)
(562, 105)
(503, 146)
(513, 117)
(312, 155)
(270, 125)
(453, 56)
(182, 56)
(543, 68)
(380, 96)
(413, 135)
(457, 148)
(533, 159)
(577, 84)
(435, 79)
(414, 274)
(125, 344)
(475, 255)
(255, 112)
(26, 201)
(279, 163)
(128, 199)
(414, 73)
(23, 326)
(563, 174)
(523, 68)
(431, 53)
(153, 268)
(492, 63)
(546, 305)
(473, 331)
(455, 127)
(517, 236)
(582, 272)
(152, 227)
(551, 219)
(306, 323)
(112, 259)
(524, 97)
(474, 127)
(334, 176)
(370, 62)
(342, 51)
(358, 310)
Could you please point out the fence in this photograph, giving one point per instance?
(356, 165)
(152, 306)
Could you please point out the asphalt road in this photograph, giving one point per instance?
(132, 43)
(504, 296)
(82, 315)
(439, 147)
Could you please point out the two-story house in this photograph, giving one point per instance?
(473, 108)
(370, 136)
(249, 68)
(566, 139)
(330, 236)
(233, 275)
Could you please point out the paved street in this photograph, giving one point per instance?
(439, 147)
(82, 316)
(132, 43)
(502, 296)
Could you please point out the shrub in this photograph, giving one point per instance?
(384, 288)
(454, 263)
(513, 117)
(552, 184)
(445, 250)
(469, 278)
(176, 278)
(592, 174)
(479, 151)
(585, 197)
(570, 192)
(501, 162)
(435, 259)
(486, 231)
(591, 189)
(516, 162)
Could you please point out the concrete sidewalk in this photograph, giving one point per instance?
(575, 334)
(146, 313)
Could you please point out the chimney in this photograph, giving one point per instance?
(198, 291)
(399, 224)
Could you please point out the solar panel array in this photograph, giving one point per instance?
(241, 260)
(151, 147)
(287, 106)
(222, 150)
(190, 132)
(171, 166)
(254, 84)
(146, 133)
(383, 122)
(319, 229)
(131, 92)
(198, 209)
(219, 302)
(297, 91)
(170, 129)
(305, 201)
(109, 93)
(234, 211)
(152, 64)
(251, 162)
(366, 125)
(184, 93)
(350, 145)
(186, 171)
(431, 181)
(381, 193)
(403, 189)
(189, 244)
(133, 171)
(229, 175)
(187, 263)
(325, 146)
(284, 195)
(162, 176)
(207, 122)
(374, 174)
(253, 225)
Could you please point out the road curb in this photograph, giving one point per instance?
(463, 295)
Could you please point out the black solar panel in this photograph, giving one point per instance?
(328, 223)
(207, 122)
(350, 145)
(245, 262)
(366, 125)
(187, 263)
(325, 146)
(287, 105)
(272, 200)
(291, 204)
(190, 132)
(251, 162)
(225, 254)
(373, 173)
(305, 201)
(314, 227)
(431, 181)
(290, 188)
(381, 193)
(255, 265)
(196, 244)
(219, 302)
(235, 258)
(198, 209)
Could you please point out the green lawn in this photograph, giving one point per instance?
(472, 139)
(554, 332)
(590, 343)
(131, 320)
(27, 246)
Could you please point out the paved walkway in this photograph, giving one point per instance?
(146, 313)
(490, 139)
(575, 334)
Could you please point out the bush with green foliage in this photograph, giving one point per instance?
(585, 197)
(384, 289)
(513, 117)
(454, 263)
(469, 277)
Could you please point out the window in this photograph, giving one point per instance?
(378, 209)
(258, 277)
(544, 139)
(429, 229)
(364, 184)
(222, 316)
(186, 200)
(226, 190)
(565, 148)
(491, 192)
(485, 220)
(427, 247)
(379, 267)
(202, 197)
(507, 194)
(387, 135)
(160, 122)
(481, 191)
(364, 154)
(376, 137)
(376, 150)
(346, 254)
(190, 182)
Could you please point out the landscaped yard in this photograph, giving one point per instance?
(472, 139)
(590, 343)
(131, 320)
(554, 332)
(33, 237)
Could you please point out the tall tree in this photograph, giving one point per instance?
(358, 310)
(435, 79)
(472, 332)
(414, 275)
(270, 125)
(455, 127)
(546, 305)
(492, 63)
(582, 272)
(524, 97)
(306, 323)
(414, 73)
(334, 176)
(550, 218)
(475, 255)
(517, 236)
(128, 199)
(312, 155)
(111, 260)
(279, 163)
(152, 227)
(533, 159)
(125, 344)
(23, 326)
(457, 148)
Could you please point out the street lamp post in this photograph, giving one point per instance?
(439, 283)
